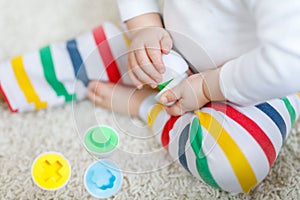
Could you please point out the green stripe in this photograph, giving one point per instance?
(50, 75)
(201, 161)
(291, 110)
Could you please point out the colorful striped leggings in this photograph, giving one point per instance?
(226, 146)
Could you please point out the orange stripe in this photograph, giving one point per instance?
(25, 84)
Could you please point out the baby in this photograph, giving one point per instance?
(230, 116)
(244, 53)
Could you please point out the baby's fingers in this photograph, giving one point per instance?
(132, 64)
(173, 101)
(156, 58)
(150, 74)
(176, 109)
(170, 96)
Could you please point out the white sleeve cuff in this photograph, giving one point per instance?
(132, 8)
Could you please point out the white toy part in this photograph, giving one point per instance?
(175, 65)
(176, 71)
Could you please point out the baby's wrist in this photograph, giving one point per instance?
(211, 85)
(143, 21)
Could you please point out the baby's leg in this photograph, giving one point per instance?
(228, 147)
(47, 77)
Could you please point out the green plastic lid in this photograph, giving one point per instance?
(163, 85)
(101, 139)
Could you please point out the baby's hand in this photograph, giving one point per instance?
(145, 63)
(189, 95)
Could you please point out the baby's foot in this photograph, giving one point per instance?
(117, 97)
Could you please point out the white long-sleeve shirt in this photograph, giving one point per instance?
(256, 41)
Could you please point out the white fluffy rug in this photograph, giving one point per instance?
(28, 25)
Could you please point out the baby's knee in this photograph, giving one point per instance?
(225, 160)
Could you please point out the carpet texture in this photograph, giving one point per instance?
(148, 171)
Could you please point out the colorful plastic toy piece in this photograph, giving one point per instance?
(176, 68)
(101, 140)
(103, 179)
(50, 171)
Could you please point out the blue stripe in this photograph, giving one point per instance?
(78, 65)
(275, 116)
(183, 138)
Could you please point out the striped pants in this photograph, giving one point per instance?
(226, 146)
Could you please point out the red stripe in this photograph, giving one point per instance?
(255, 131)
(6, 100)
(106, 55)
(165, 138)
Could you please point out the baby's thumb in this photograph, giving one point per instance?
(170, 96)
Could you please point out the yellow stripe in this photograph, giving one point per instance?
(125, 36)
(157, 108)
(25, 84)
(126, 39)
(298, 95)
(237, 159)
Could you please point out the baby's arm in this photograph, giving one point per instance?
(269, 71)
(272, 69)
(148, 41)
